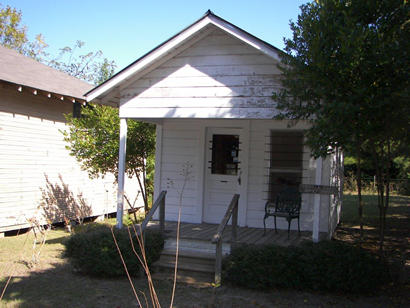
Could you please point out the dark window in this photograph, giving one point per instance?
(286, 161)
(225, 150)
(77, 110)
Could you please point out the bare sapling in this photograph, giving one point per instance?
(143, 261)
(186, 172)
(132, 206)
(125, 268)
(40, 232)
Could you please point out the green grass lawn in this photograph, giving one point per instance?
(52, 282)
(398, 212)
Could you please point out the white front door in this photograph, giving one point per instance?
(222, 171)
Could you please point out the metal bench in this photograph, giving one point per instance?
(286, 205)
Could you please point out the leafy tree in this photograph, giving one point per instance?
(346, 72)
(14, 36)
(91, 67)
(93, 140)
(104, 71)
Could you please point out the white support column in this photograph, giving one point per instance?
(158, 163)
(316, 202)
(121, 171)
(244, 174)
(200, 170)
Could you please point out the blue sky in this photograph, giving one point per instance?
(124, 30)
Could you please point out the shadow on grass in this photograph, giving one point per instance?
(57, 240)
(60, 287)
(397, 228)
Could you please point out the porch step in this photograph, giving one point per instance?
(187, 261)
(196, 261)
(195, 245)
(194, 268)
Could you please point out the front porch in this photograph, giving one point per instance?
(201, 246)
(200, 258)
(245, 235)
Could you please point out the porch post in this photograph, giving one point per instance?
(316, 202)
(121, 171)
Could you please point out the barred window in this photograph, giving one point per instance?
(286, 161)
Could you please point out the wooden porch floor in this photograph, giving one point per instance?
(246, 235)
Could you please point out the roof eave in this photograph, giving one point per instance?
(37, 91)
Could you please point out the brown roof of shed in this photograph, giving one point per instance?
(22, 70)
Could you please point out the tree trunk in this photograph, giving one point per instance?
(382, 166)
(385, 204)
(144, 177)
(359, 192)
(143, 191)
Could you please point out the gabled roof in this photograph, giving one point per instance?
(26, 72)
(173, 43)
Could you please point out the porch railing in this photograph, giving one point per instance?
(217, 238)
(160, 202)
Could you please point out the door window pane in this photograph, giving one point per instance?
(225, 150)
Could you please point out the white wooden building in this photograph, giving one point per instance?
(33, 101)
(208, 90)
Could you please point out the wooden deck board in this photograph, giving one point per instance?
(246, 235)
(251, 235)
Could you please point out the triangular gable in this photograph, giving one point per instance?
(176, 41)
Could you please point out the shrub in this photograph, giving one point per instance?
(326, 266)
(92, 250)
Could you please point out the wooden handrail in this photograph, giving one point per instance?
(161, 203)
(217, 238)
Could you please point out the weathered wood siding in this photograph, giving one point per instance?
(180, 144)
(183, 141)
(217, 77)
(31, 148)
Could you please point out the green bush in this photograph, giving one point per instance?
(326, 266)
(91, 250)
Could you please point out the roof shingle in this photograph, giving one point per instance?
(25, 71)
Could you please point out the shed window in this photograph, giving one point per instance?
(77, 110)
(286, 161)
(225, 150)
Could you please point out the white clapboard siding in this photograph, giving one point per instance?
(178, 150)
(206, 81)
(218, 60)
(188, 71)
(179, 145)
(206, 102)
(204, 113)
(217, 77)
(219, 38)
(209, 46)
(31, 148)
(194, 92)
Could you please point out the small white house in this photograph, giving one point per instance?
(36, 169)
(208, 90)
